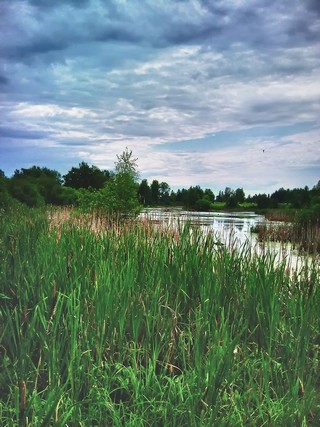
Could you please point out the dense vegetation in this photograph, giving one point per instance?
(108, 321)
(85, 186)
(89, 187)
(135, 325)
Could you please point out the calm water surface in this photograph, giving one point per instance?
(232, 228)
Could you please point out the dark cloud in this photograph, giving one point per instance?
(112, 33)
(73, 22)
(3, 80)
(277, 111)
(73, 143)
(188, 32)
(47, 4)
(302, 30)
(40, 46)
(6, 132)
(217, 8)
(313, 5)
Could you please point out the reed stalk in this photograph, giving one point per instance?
(125, 323)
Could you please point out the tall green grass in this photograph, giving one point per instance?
(135, 325)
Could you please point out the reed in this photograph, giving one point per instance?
(304, 237)
(137, 325)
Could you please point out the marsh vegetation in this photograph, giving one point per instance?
(124, 323)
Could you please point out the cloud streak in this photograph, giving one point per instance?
(91, 77)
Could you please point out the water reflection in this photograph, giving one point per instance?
(233, 229)
(223, 224)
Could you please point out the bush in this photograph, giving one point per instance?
(203, 205)
(26, 192)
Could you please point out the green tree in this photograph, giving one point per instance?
(155, 188)
(26, 192)
(191, 197)
(262, 200)
(122, 190)
(239, 195)
(46, 182)
(86, 176)
(6, 199)
(279, 196)
(203, 204)
(208, 194)
(164, 193)
(144, 192)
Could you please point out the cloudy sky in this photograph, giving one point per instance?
(213, 93)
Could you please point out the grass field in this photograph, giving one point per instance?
(131, 325)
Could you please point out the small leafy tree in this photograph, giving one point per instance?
(120, 193)
(124, 185)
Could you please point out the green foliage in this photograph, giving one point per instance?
(120, 193)
(38, 186)
(144, 193)
(26, 191)
(191, 196)
(310, 215)
(142, 326)
(158, 194)
(231, 198)
(67, 196)
(155, 188)
(123, 189)
(86, 176)
(203, 204)
(37, 172)
(6, 200)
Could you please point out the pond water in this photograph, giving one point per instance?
(228, 226)
(233, 229)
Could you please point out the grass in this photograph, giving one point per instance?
(134, 325)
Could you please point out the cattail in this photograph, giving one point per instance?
(23, 396)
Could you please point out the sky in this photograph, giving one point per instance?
(216, 93)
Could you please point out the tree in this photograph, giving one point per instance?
(26, 192)
(86, 176)
(6, 200)
(191, 197)
(208, 194)
(239, 195)
(155, 192)
(36, 186)
(164, 193)
(279, 196)
(144, 192)
(262, 200)
(36, 172)
(122, 189)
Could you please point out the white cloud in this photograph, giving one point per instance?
(126, 74)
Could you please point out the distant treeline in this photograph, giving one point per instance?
(89, 185)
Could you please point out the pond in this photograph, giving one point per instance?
(226, 225)
(233, 229)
